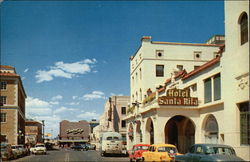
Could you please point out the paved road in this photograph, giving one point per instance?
(70, 156)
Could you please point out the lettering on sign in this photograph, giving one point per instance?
(74, 131)
(178, 97)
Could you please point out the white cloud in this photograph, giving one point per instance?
(54, 102)
(62, 110)
(88, 115)
(73, 103)
(113, 94)
(65, 70)
(35, 106)
(58, 97)
(26, 70)
(74, 97)
(94, 95)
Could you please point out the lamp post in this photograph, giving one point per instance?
(43, 130)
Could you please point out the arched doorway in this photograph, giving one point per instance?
(180, 131)
(211, 130)
(138, 132)
(149, 131)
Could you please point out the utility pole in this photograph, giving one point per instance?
(43, 130)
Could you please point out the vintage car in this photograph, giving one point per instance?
(209, 152)
(137, 150)
(40, 149)
(6, 152)
(17, 152)
(160, 152)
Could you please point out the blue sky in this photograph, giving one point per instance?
(73, 55)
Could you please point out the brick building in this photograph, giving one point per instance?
(73, 132)
(12, 110)
(33, 132)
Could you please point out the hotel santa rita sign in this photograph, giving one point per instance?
(178, 97)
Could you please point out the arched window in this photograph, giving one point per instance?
(243, 21)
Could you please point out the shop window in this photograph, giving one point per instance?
(217, 87)
(3, 85)
(3, 118)
(208, 90)
(243, 28)
(159, 70)
(140, 73)
(3, 100)
(123, 110)
(123, 123)
(244, 123)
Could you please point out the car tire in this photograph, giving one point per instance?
(131, 160)
(143, 159)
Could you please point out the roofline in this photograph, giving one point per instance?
(187, 44)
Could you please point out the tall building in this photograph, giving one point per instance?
(33, 132)
(114, 112)
(207, 104)
(12, 108)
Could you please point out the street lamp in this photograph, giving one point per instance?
(43, 130)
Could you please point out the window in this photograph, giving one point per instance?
(3, 85)
(123, 123)
(3, 117)
(123, 110)
(3, 99)
(208, 90)
(180, 67)
(217, 87)
(244, 123)
(197, 55)
(140, 73)
(159, 70)
(243, 28)
(159, 53)
(199, 150)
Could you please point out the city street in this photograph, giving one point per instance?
(68, 155)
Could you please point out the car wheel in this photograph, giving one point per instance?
(131, 160)
(143, 159)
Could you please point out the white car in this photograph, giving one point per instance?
(40, 149)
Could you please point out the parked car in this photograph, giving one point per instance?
(77, 147)
(91, 146)
(160, 152)
(209, 152)
(32, 150)
(85, 147)
(6, 152)
(16, 151)
(136, 152)
(23, 150)
(40, 149)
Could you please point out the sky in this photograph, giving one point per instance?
(73, 55)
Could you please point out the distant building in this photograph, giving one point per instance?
(73, 132)
(112, 118)
(33, 132)
(12, 106)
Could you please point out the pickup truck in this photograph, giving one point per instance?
(39, 149)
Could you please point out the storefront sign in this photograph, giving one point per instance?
(75, 131)
(178, 97)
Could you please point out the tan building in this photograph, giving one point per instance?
(33, 132)
(74, 132)
(114, 112)
(12, 109)
(209, 104)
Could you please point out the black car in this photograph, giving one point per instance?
(80, 147)
(209, 152)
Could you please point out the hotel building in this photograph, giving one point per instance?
(173, 102)
(12, 106)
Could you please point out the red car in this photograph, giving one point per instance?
(137, 150)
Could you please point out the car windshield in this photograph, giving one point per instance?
(13, 147)
(39, 145)
(113, 138)
(141, 148)
(167, 149)
(221, 151)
